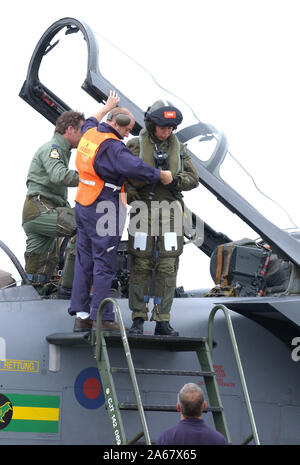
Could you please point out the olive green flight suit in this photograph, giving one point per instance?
(47, 213)
(156, 258)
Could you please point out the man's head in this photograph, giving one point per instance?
(69, 124)
(191, 401)
(161, 119)
(121, 120)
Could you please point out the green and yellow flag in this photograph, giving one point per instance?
(33, 413)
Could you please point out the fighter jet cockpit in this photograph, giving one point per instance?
(227, 207)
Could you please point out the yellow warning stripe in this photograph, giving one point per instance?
(35, 413)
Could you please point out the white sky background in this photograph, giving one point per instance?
(235, 62)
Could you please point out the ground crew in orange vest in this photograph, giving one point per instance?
(102, 162)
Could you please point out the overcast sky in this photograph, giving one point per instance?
(235, 62)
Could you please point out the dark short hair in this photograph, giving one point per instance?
(68, 118)
(191, 400)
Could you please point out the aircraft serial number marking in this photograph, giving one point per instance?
(25, 366)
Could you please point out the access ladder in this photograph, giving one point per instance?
(102, 340)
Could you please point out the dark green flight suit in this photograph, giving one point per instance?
(47, 213)
(156, 255)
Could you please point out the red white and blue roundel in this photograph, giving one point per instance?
(88, 388)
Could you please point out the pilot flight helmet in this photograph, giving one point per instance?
(162, 113)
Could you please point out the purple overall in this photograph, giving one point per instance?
(96, 252)
(191, 431)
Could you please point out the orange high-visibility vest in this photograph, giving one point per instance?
(90, 184)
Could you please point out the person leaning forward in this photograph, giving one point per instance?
(46, 212)
(191, 429)
(155, 248)
(102, 161)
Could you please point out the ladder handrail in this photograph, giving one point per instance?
(238, 361)
(128, 359)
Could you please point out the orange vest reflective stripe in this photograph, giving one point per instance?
(90, 184)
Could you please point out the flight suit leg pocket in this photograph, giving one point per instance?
(66, 224)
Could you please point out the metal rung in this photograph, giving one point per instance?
(151, 371)
(163, 408)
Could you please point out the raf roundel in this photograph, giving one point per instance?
(88, 389)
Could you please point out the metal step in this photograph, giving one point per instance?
(156, 371)
(163, 408)
(170, 343)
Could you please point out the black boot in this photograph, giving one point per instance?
(163, 328)
(137, 326)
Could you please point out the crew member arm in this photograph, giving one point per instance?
(188, 179)
(133, 167)
(111, 103)
(58, 173)
(131, 185)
